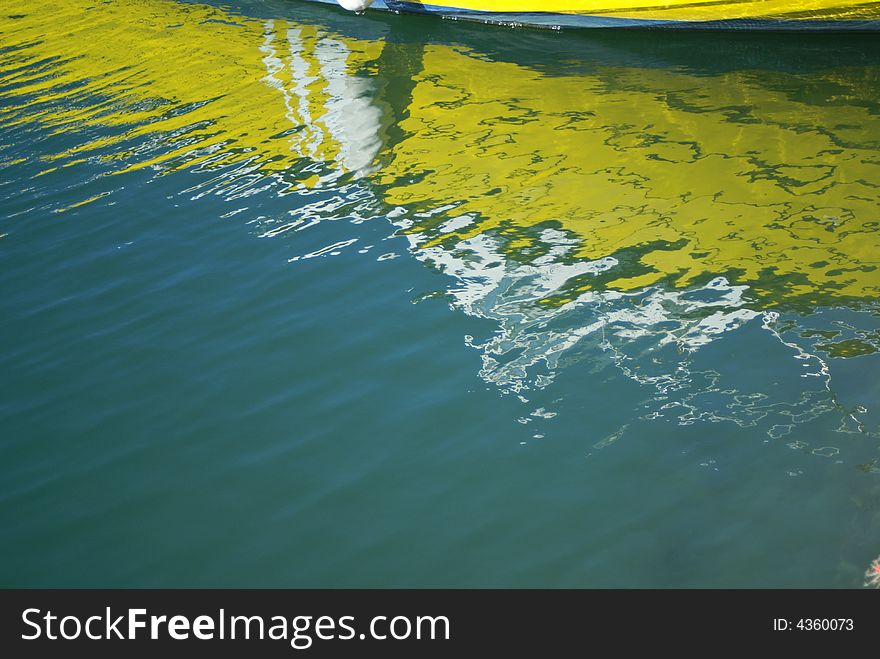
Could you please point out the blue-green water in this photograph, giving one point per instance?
(297, 298)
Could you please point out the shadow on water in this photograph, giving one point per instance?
(698, 213)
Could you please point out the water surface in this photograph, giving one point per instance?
(299, 298)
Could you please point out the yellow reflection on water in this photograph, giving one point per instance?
(693, 175)
(171, 84)
(679, 176)
(623, 207)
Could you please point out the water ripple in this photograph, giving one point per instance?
(711, 235)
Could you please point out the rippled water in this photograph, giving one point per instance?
(299, 298)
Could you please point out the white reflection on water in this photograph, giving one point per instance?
(658, 338)
(346, 124)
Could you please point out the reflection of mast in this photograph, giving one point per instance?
(330, 107)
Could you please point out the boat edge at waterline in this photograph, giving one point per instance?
(772, 15)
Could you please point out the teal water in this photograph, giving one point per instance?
(297, 298)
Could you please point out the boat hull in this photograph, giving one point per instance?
(781, 15)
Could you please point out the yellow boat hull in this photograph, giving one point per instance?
(833, 15)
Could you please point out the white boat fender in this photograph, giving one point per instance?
(355, 5)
